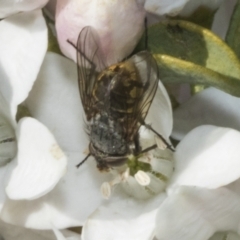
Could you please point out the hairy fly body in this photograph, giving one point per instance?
(115, 100)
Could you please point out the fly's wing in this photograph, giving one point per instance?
(90, 61)
(148, 75)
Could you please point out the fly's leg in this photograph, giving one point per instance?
(167, 145)
(83, 161)
(149, 148)
(137, 146)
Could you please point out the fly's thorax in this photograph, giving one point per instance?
(106, 135)
(117, 89)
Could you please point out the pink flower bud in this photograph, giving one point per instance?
(119, 24)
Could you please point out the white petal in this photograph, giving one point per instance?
(14, 6)
(165, 6)
(142, 178)
(210, 106)
(69, 204)
(193, 5)
(51, 7)
(196, 213)
(41, 163)
(222, 18)
(106, 190)
(180, 91)
(123, 218)
(22, 46)
(55, 101)
(159, 116)
(207, 157)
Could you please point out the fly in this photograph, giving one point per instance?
(115, 99)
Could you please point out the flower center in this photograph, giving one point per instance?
(143, 176)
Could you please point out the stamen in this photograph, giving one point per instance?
(142, 178)
(116, 180)
(149, 173)
(161, 145)
(125, 175)
(106, 190)
(86, 151)
(146, 158)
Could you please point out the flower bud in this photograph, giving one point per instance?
(119, 24)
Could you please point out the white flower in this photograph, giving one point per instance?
(206, 172)
(119, 24)
(222, 18)
(205, 194)
(197, 203)
(9, 7)
(182, 7)
(23, 46)
(207, 162)
(78, 195)
(164, 6)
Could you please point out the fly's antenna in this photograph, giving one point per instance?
(83, 161)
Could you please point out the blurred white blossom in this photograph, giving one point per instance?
(9, 7)
(181, 7)
(23, 46)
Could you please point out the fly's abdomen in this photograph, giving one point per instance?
(107, 136)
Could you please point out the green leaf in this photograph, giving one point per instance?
(186, 52)
(173, 70)
(233, 34)
(202, 16)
